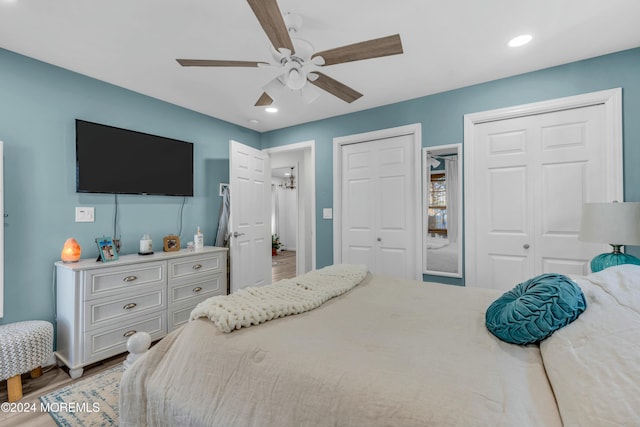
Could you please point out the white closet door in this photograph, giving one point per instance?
(378, 206)
(532, 175)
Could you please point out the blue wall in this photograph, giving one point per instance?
(39, 103)
(441, 116)
(38, 107)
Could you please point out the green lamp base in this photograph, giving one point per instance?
(612, 259)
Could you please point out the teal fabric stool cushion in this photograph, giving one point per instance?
(534, 309)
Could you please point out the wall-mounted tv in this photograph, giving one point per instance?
(120, 161)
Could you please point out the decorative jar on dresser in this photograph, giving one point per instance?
(100, 305)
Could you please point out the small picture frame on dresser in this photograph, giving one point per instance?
(106, 249)
(171, 243)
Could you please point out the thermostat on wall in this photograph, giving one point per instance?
(327, 213)
(85, 214)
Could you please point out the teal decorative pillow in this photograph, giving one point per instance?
(534, 309)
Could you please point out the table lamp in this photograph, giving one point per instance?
(616, 223)
(70, 251)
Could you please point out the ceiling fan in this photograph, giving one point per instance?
(296, 57)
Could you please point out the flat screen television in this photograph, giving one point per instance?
(120, 161)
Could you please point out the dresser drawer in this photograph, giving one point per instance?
(207, 263)
(194, 289)
(101, 311)
(104, 343)
(107, 281)
(180, 316)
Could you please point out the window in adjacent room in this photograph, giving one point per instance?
(438, 204)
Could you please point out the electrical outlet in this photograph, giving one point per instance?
(85, 214)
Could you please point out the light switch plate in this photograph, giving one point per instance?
(327, 213)
(85, 214)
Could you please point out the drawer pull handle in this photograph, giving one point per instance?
(129, 306)
(130, 278)
(197, 289)
(129, 333)
(197, 266)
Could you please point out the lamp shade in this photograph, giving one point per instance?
(614, 223)
(71, 251)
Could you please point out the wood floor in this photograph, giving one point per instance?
(52, 379)
(283, 266)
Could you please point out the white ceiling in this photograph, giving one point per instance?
(447, 45)
(281, 172)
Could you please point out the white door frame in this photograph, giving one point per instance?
(612, 101)
(301, 240)
(414, 130)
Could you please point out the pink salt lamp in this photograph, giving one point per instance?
(70, 251)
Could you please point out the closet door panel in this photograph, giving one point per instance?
(531, 176)
(359, 202)
(378, 215)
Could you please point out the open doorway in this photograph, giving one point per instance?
(284, 221)
(295, 227)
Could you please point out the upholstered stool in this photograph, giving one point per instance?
(24, 347)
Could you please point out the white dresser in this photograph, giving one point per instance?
(100, 305)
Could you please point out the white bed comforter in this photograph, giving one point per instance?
(390, 352)
(594, 363)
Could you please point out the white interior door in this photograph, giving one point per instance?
(378, 206)
(249, 218)
(532, 176)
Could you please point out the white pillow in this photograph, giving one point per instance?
(593, 364)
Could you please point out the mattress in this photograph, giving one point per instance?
(390, 352)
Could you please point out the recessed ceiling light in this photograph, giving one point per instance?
(254, 121)
(520, 40)
(271, 110)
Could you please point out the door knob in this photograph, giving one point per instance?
(236, 234)
(379, 239)
(526, 246)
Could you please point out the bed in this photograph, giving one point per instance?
(394, 352)
(442, 256)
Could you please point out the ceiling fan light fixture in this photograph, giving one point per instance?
(296, 78)
(310, 93)
(318, 61)
(297, 58)
(275, 88)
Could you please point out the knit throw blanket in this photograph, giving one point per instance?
(252, 306)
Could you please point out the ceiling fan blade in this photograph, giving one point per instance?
(335, 88)
(217, 63)
(272, 22)
(376, 48)
(264, 100)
